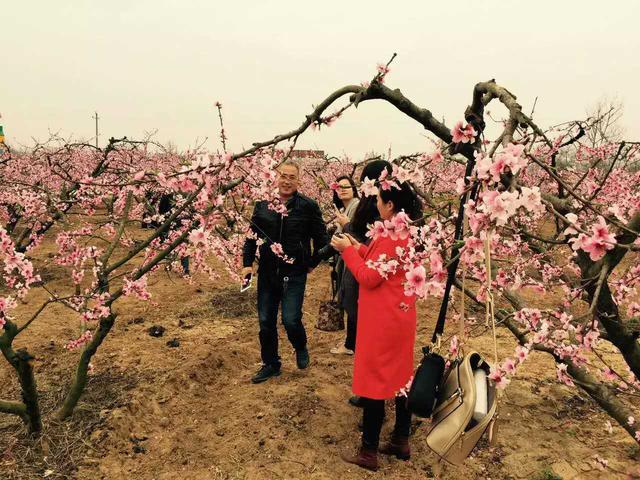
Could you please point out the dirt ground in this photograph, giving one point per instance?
(152, 411)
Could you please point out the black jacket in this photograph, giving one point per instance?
(348, 288)
(293, 231)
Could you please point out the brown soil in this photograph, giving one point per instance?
(156, 412)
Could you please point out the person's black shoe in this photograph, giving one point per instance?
(302, 358)
(265, 373)
(356, 401)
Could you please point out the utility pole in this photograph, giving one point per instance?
(96, 118)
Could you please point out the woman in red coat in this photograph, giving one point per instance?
(386, 330)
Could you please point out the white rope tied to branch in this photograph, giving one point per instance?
(489, 311)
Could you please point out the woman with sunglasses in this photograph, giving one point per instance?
(345, 201)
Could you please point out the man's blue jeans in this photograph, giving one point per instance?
(273, 291)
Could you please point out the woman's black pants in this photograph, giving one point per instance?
(352, 325)
(373, 417)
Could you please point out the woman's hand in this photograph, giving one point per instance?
(340, 242)
(341, 218)
(353, 241)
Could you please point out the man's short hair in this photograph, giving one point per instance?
(291, 163)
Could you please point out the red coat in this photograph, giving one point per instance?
(386, 330)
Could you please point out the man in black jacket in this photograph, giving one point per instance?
(282, 280)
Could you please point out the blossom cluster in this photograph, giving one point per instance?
(82, 340)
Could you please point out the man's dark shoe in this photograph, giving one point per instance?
(302, 358)
(356, 401)
(265, 373)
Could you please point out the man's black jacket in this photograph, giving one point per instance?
(293, 231)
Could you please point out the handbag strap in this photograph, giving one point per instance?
(455, 251)
(490, 316)
(333, 280)
(330, 288)
(489, 312)
(462, 335)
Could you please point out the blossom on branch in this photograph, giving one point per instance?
(82, 340)
(416, 281)
(137, 288)
(463, 135)
(573, 222)
(499, 377)
(383, 70)
(561, 370)
(598, 243)
(198, 237)
(368, 187)
(277, 249)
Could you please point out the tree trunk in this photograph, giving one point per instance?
(14, 408)
(604, 396)
(80, 380)
(606, 310)
(20, 360)
(29, 392)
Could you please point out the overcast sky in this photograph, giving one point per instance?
(161, 64)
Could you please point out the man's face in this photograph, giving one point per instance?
(288, 180)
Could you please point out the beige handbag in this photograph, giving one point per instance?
(454, 433)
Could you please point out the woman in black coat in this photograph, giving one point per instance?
(366, 213)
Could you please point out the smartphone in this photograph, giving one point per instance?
(246, 282)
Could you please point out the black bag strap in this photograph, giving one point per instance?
(334, 280)
(455, 250)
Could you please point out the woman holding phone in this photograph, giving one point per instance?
(345, 201)
(386, 330)
(365, 214)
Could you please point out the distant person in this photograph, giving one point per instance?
(163, 205)
(279, 282)
(386, 332)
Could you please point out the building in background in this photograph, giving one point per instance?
(302, 155)
(308, 159)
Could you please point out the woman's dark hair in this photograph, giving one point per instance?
(404, 198)
(336, 201)
(373, 169)
(367, 211)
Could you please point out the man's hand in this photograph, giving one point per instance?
(246, 271)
